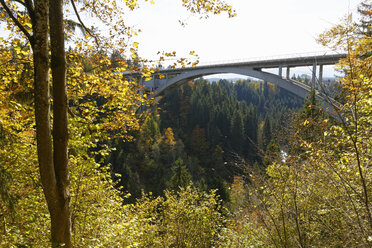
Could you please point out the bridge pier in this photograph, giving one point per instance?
(313, 78)
(280, 70)
(320, 74)
(288, 72)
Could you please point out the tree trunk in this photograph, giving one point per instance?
(52, 155)
(61, 216)
(42, 103)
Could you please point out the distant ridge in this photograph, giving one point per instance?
(233, 79)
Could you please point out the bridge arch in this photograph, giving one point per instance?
(297, 88)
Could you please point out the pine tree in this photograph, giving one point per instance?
(181, 176)
(266, 90)
(237, 131)
(266, 133)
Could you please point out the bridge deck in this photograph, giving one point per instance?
(271, 63)
(259, 64)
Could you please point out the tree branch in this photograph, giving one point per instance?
(16, 22)
(82, 24)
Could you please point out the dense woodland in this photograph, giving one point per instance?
(208, 132)
(205, 167)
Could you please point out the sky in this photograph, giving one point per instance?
(261, 29)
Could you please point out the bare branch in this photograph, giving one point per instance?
(82, 24)
(16, 22)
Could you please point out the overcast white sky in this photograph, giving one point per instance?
(262, 28)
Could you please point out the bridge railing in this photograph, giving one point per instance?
(171, 61)
(268, 58)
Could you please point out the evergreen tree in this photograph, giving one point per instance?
(199, 144)
(181, 176)
(266, 90)
(266, 133)
(237, 131)
(149, 134)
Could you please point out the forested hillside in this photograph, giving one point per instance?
(207, 132)
(226, 164)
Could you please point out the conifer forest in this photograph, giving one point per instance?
(89, 157)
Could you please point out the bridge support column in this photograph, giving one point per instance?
(280, 70)
(313, 79)
(288, 72)
(320, 74)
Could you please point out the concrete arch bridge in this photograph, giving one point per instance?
(165, 79)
